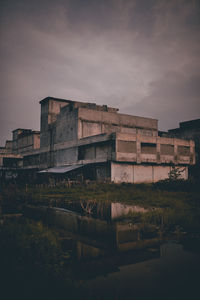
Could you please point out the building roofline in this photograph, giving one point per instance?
(190, 123)
(30, 131)
(21, 129)
(173, 129)
(194, 120)
(56, 99)
(73, 101)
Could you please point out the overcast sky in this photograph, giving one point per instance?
(141, 56)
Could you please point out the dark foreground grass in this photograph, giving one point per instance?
(32, 264)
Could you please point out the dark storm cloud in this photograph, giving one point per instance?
(141, 56)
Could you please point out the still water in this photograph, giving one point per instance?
(173, 274)
(117, 259)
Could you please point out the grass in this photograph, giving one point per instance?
(147, 195)
(176, 202)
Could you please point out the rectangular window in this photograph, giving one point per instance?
(126, 146)
(81, 153)
(184, 150)
(167, 149)
(148, 148)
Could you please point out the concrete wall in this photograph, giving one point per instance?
(25, 143)
(65, 156)
(36, 141)
(122, 172)
(101, 150)
(143, 149)
(188, 130)
(92, 122)
(50, 109)
(89, 128)
(66, 126)
(103, 172)
(25, 140)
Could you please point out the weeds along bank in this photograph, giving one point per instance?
(158, 194)
(161, 194)
(177, 202)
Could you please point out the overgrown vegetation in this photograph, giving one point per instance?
(166, 193)
(175, 201)
(32, 264)
(31, 257)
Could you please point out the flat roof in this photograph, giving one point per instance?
(74, 101)
(21, 129)
(56, 99)
(190, 124)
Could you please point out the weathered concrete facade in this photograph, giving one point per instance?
(187, 130)
(101, 143)
(7, 157)
(25, 140)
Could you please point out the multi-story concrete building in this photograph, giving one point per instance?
(99, 143)
(103, 144)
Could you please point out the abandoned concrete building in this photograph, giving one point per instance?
(96, 142)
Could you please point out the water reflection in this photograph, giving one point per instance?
(106, 210)
(120, 259)
(96, 237)
(173, 275)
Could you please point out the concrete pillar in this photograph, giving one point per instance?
(152, 173)
(192, 152)
(80, 129)
(138, 149)
(158, 150)
(176, 158)
(116, 147)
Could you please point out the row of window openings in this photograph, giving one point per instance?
(150, 148)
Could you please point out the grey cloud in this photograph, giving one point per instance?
(173, 99)
(140, 56)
